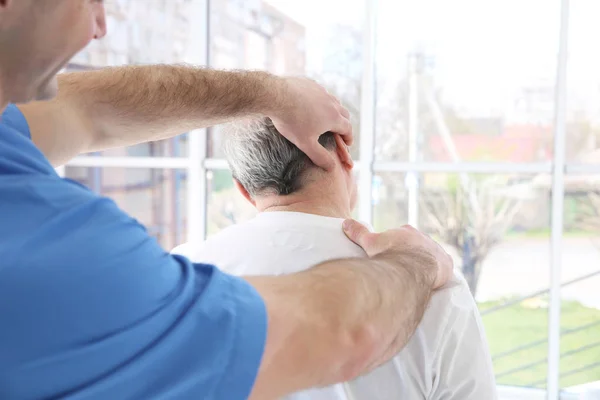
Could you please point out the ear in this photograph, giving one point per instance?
(7, 13)
(343, 153)
(243, 191)
(4, 4)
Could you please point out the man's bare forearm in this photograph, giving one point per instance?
(113, 107)
(340, 319)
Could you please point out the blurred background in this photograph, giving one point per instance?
(478, 121)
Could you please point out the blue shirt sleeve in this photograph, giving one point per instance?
(91, 307)
(13, 118)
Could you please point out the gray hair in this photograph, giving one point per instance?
(264, 161)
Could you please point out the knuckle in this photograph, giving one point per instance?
(409, 228)
(352, 230)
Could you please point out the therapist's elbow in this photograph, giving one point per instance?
(356, 351)
(301, 354)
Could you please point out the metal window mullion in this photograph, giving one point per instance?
(197, 187)
(591, 169)
(413, 133)
(558, 191)
(216, 164)
(367, 115)
(465, 167)
(198, 54)
(130, 162)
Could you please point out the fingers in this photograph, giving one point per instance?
(345, 126)
(344, 129)
(318, 154)
(359, 234)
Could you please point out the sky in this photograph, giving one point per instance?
(484, 50)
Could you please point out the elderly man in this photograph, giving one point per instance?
(302, 209)
(92, 308)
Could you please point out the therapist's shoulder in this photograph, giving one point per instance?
(12, 118)
(18, 154)
(117, 304)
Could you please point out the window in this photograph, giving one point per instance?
(466, 80)
(583, 97)
(225, 205)
(290, 38)
(580, 312)
(496, 227)
(155, 197)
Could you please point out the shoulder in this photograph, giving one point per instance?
(13, 118)
(223, 242)
(451, 302)
(461, 358)
(445, 317)
(133, 303)
(18, 154)
(455, 294)
(457, 290)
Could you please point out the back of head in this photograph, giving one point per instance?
(264, 161)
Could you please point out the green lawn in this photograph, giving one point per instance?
(521, 324)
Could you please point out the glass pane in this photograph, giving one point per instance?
(583, 118)
(226, 206)
(466, 80)
(356, 176)
(497, 229)
(155, 197)
(580, 315)
(310, 37)
(173, 147)
(141, 33)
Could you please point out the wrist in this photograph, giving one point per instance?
(270, 93)
(421, 265)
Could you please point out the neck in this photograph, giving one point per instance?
(311, 208)
(318, 203)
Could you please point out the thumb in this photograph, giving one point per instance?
(359, 234)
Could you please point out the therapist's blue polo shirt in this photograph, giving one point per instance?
(91, 307)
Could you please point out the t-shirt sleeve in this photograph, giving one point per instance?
(462, 367)
(14, 118)
(92, 307)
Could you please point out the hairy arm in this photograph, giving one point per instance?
(97, 110)
(340, 319)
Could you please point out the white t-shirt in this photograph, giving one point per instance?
(447, 358)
